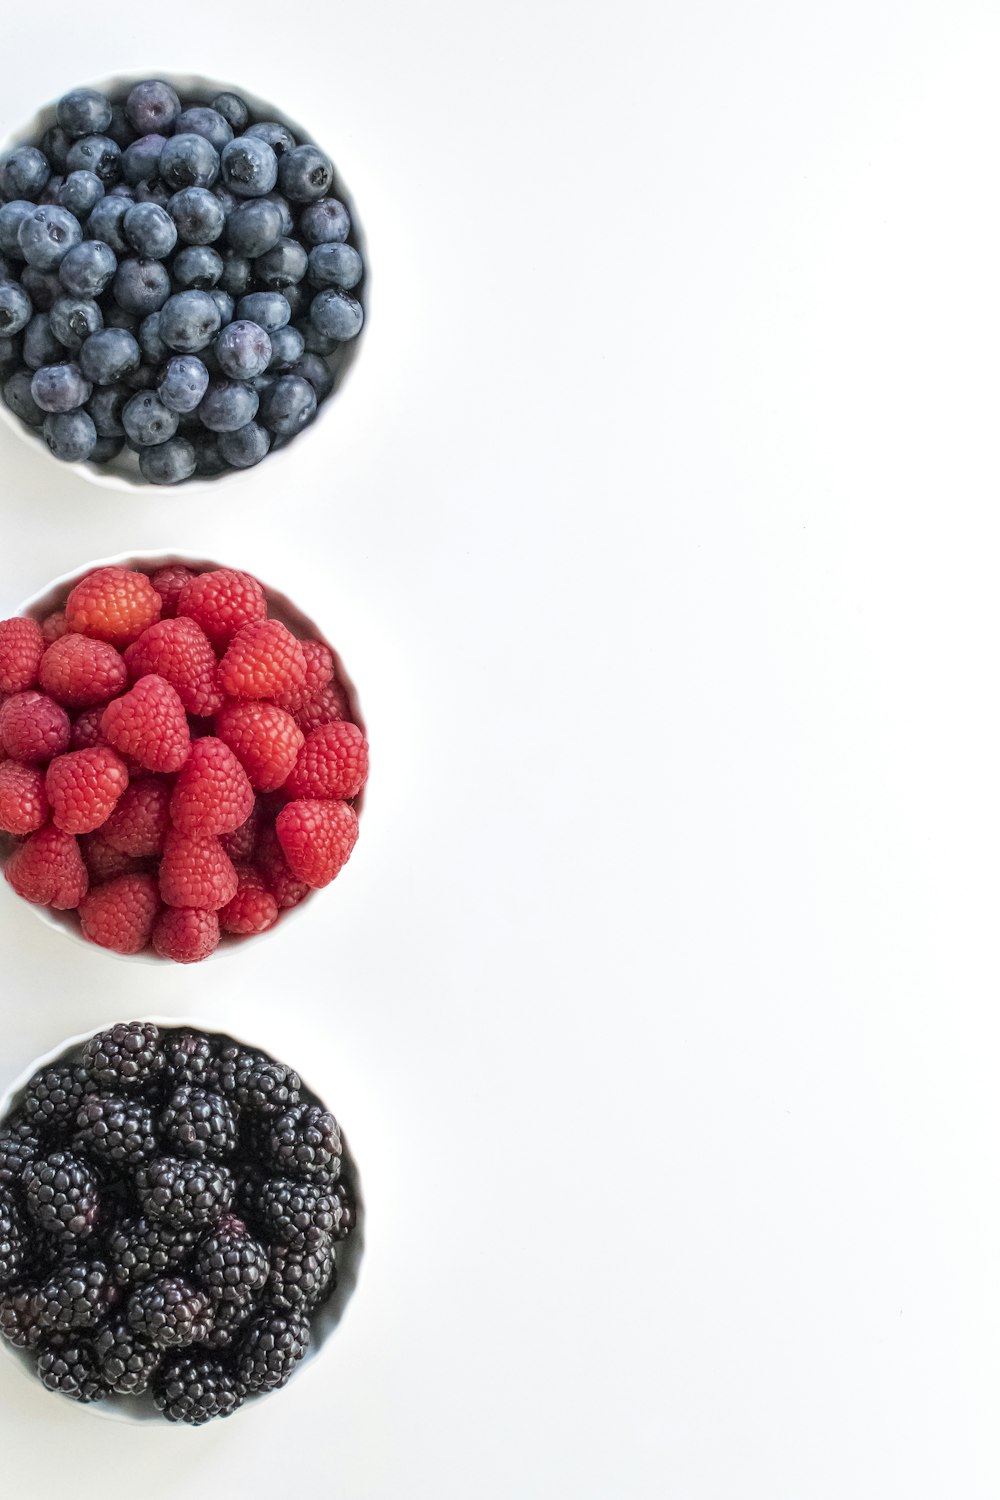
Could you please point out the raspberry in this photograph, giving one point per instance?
(264, 737)
(168, 583)
(23, 803)
(261, 661)
(112, 604)
(120, 914)
(139, 824)
(317, 838)
(319, 673)
(149, 724)
(102, 861)
(21, 647)
(328, 706)
(180, 652)
(240, 844)
(33, 727)
(212, 793)
(253, 909)
(285, 887)
(54, 626)
(48, 870)
(196, 872)
(83, 788)
(332, 763)
(186, 934)
(78, 671)
(221, 601)
(86, 730)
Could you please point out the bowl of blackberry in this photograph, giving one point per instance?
(180, 1222)
(182, 281)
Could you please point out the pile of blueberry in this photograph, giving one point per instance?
(175, 278)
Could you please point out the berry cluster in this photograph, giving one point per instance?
(174, 277)
(170, 1204)
(174, 764)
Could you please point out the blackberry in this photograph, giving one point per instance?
(69, 1366)
(169, 1312)
(304, 1142)
(125, 1363)
(257, 1083)
(13, 1239)
(269, 1348)
(184, 1192)
(19, 1316)
(61, 1194)
(197, 1123)
(143, 1248)
(52, 1098)
(190, 1061)
(19, 1144)
(301, 1279)
(298, 1214)
(192, 1388)
(230, 1263)
(116, 1132)
(124, 1057)
(76, 1295)
(228, 1319)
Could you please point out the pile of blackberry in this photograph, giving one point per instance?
(170, 1204)
(176, 277)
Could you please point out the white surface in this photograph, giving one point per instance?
(660, 530)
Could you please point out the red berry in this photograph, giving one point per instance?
(180, 652)
(78, 671)
(265, 738)
(168, 583)
(317, 838)
(262, 660)
(112, 604)
(48, 869)
(328, 707)
(241, 843)
(54, 626)
(102, 861)
(186, 934)
(319, 674)
(86, 731)
(221, 601)
(196, 871)
(149, 724)
(285, 887)
(33, 727)
(332, 763)
(120, 914)
(83, 788)
(140, 823)
(21, 647)
(253, 909)
(23, 803)
(212, 793)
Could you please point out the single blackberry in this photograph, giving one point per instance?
(115, 1132)
(141, 1249)
(191, 1388)
(230, 1264)
(61, 1194)
(14, 1247)
(69, 1366)
(184, 1192)
(304, 1142)
(169, 1312)
(190, 1061)
(196, 1123)
(269, 1348)
(125, 1363)
(19, 1316)
(52, 1098)
(298, 1214)
(228, 1319)
(301, 1279)
(76, 1295)
(125, 1057)
(19, 1144)
(256, 1083)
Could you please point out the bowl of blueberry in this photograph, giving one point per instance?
(180, 1222)
(182, 281)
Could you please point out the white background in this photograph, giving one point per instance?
(659, 529)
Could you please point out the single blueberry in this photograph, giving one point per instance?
(227, 405)
(96, 153)
(246, 446)
(74, 319)
(150, 230)
(80, 191)
(254, 227)
(17, 395)
(152, 107)
(149, 339)
(105, 408)
(40, 346)
(183, 383)
(70, 436)
(334, 264)
(325, 223)
(197, 266)
(314, 341)
(278, 137)
(60, 387)
(288, 406)
(287, 345)
(46, 234)
(269, 309)
(105, 222)
(87, 269)
(55, 145)
(84, 112)
(141, 286)
(12, 215)
(249, 167)
(189, 161)
(200, 119)
(236, 273)
(110, 354)
(170, 463)
(141, 160)
(208, 460)
(336, 314)
(120, 130)
(243, 350)
(15, 308)
(232, 109)
(24, 173)
(224, 303)
(147, 421)
(190, 321)
(198, 214)
(43, 287)
(305, 174)
(282, 266)
(105, 449)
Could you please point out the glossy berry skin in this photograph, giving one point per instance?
(152, 106)
(169, 1312)
(232, 109)
(80, 191)
(336, 315)
(228, 405)
(197, 267)
(105, 224)
(40, 345)
(126, 1363)
(278, 137)
(24, 174)
(60, 388)
(243, 350)
(124, 1058)
(83, 112)
(249, 167)
(170, 463)
(184, 1191)
(282, 266)
(305, 174)
(150, 230)
(147, 421)
(334, 265)
(194, 1389)
(324, 223)
(141, 286)
(288, 405)
(73, 320)
(183, 383)
(95, 153)
(15, 309)
(108, 356)
(198, 215)
(189, 321)
(62, 1197)
(254, 227)
(17, 395)
(313, 368)
(269, 309)
(201, 119)
(141, 160)
(287, 347)
(245, 446)
(70, 436)
(189, 160)
(105, 409)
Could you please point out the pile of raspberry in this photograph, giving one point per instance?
(174, 765)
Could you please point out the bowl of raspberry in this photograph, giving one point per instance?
(182, 757)
(182, 281)
(181, 1222)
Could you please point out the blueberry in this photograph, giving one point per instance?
(24, 173)
(198, 214)
(43, 287)
(282, 266)
(105, 408)
(87, 269)
(228, 405)
(117, 317)
(269, 309)
(11, 357)
(141, 286)
(285, 210)
(189, 161)
(190, 321)
(80, 191)
(40, 347)
(314, 341)
(70, 436)
(200, 119)
(334, 264)
(15, 308)
(147, 421)
(60, 387)
(12, 216)
(224, 303)
(150, 341)
(122, 190)
(55, 145)
(232, 109)
(287, 345)
(120, 130)
(150, 230)
(288, 406)
(336, 314)
(244, 447)
(17, 395)
(262, 383)
(153, 192)
(227, 201)
(254, 227)
(74, 319)
(143, 378)
(298, 296)
(54, 186)
(249, 167)
(141, 160)
(105, 449)
(305, 174)
(96, 153)
(208, 460)
(170, 463)
(46, 234)
(278, 137)
(105, 222)
(183, 383)
(236, 273)
(109, 354)
(243, 350)
(197, 266)
(152, 106)
(325, 223)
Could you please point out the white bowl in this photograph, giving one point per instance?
(138, 1411)
(52, 597)
(123, 473)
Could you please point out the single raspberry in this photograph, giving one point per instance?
(54, 626)
(112, 604)
(319, 674)
(23, 803)
(287, 889)
(21, 648)
(78, 671)
(212, 793)
(328, 707)
(104, 862)
(149, 723)
(83, 787)
(253, 909)
(242, 842)
(139, 824)
(264, 737)
(317, 838)
(186, 934)
(196, 871)
(33, 727)
(48, 869)
(261, 661)
(120, 914)
(180, 652)
(86, 731)
(221, 601)
(332, 763)
(168, 583)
